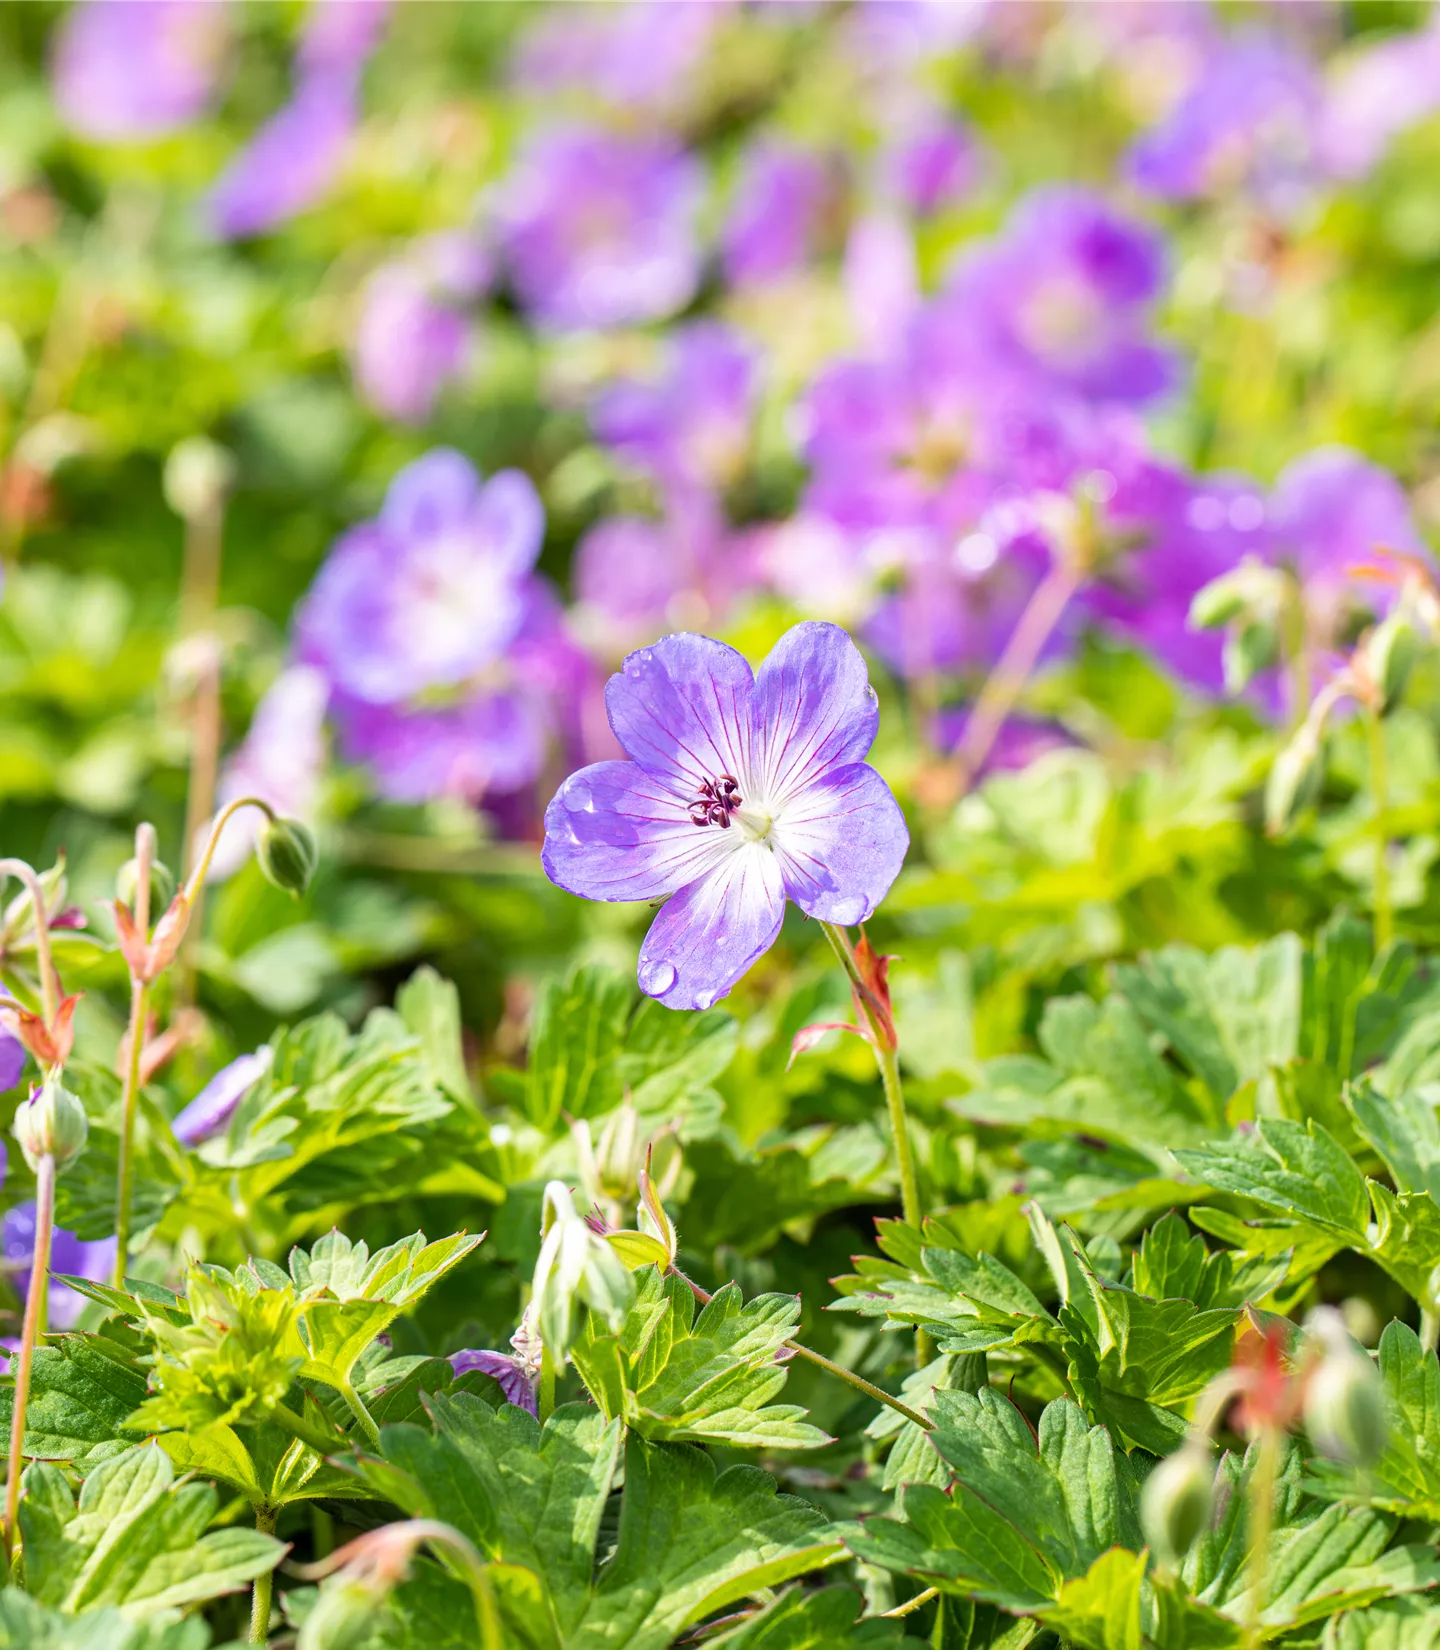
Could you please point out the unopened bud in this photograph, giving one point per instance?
(1220, 601)
(1344, 1398)
(52, 1123)
(162, 884)
(1250, 648)
(1388, 655)
(343, 1616)
(287, 854)
(198, 474)
(1176, 1501)
(1294, 782)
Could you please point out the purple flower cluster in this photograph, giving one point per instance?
(70, 1256)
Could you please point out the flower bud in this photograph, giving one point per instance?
(1294, 782)
(198, 474)
(162, 884)
(52, 1123)
(343, 1616)
(287, 854)
(575, 1265)
(1251, 647)
(1344, 1398)
(1220, 601)
(1176, 1501)
(1388, 655)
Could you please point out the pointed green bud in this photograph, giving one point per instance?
(162, 884)
(1176, 1502)
(1388, 656)
(287, 853)
(343, 1616)
(576, 1265)
(1294, 782)
(1344, 1397)
(52, 1123)
(1220, 601)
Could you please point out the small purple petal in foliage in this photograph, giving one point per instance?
(209, 1113)
(127, 69)
(931, 164)
(599, 228)
(776, 213)
(69, 1255)
(514, 1382)
(433, 590)
(12, 1063)
(291, 162)
(742, 790)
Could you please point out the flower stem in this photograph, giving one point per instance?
(1007, 680)
(1429, 1328)
(820, 1361)
(34, 1301)
(1380, 793)
(49, 995)
(266, 1518)
(357, 1408)
(130, 1095)
(312, 1437)
(196, 880)
(546, 1398)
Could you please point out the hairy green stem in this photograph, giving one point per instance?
(312, 1437)
(130, 1096)
(266, 1518)
(34, 1301)
(1380, 793)
(196, 880)
(821, 1362)
(357, 1408)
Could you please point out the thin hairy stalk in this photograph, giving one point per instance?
(196, 880)
(911, 1604)
(266, 1518)
(39, 1283)
(828, 1364)
(1006, 682)
(311, 1436)
(130, 1094)
(1380, 794)
(356, 1406)
(199, 804)
(49, 992)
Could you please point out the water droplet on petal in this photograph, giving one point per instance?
(656, 978)
(706, 999)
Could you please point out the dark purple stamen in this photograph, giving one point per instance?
(716, 801)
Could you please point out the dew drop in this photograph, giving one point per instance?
(706, 999)
(656, 978)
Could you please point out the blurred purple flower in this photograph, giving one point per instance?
(1379, 92)
(1020, 742)
(930, 163)
(138, 68)
(412, 337)
(281, 761)
(635, 56)
(1062, 299)
(291, 162)
(776, 214)
(430, 592)
(771, 770)
(12, 1059)
(68, 1255)
(599, 228)
(507, 1371)
(340, 34)
(882, 280)
(1250, 124)
(209, 1113)
(1330, 512)
(889, 35)
(692, 426)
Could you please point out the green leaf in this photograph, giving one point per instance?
(802, 1620)
(577, 1036)
(1404, 1130)
(672, 1375)
(136, 1539)
(26, 1624)
(83, 1391)
(1116, 1606)
(429, 1006)
(689, 1542)
(1293, 1169)
(1397, 1624)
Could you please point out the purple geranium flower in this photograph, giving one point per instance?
(432, 590)
(1380, 92)
(635, 56)
(930, 163)
(12, 1059)
(599, 228)
(291, 161)
(412, 336)
(777, 213)
(1063, 298)
(742, 789)
(209, 1113)
(340, 34)
(1251, 123)
(693, 425)
(68, 1254)
(138, 68)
